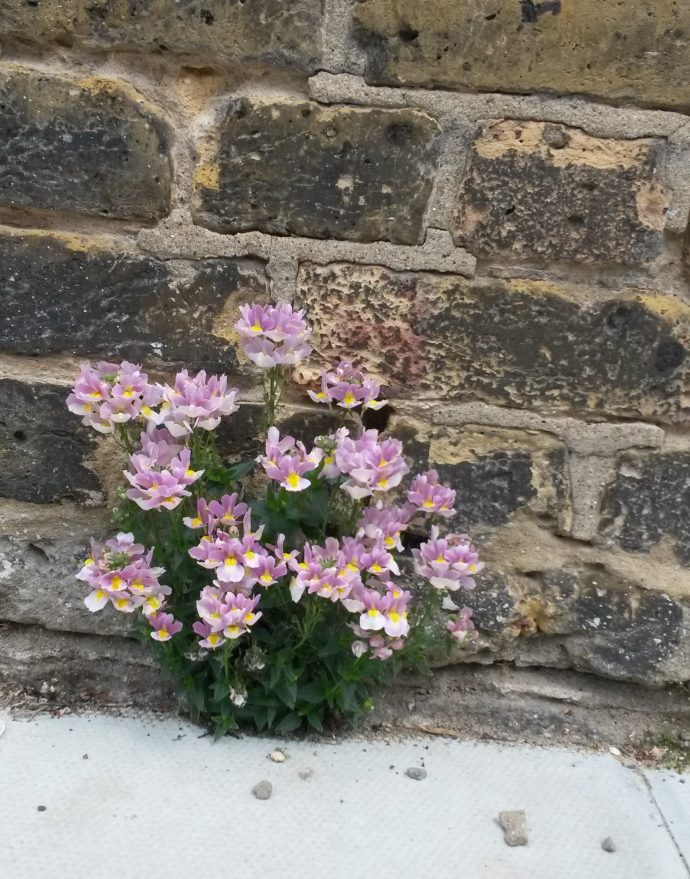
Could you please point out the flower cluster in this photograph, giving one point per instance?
(286, 461)
(348, 388)
(106, 395)
(120, 572)
(273, 335)
(231, 572)
(232, 551)
(196, 402)
(448, 562)
(429, 496)
(160, 473)
(370, 464)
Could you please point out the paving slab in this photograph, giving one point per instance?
(671, 790)
(139, 796)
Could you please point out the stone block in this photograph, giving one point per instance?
(88, 146)
(548, 346)
(285, 33)
(64, 293)
(297, 168)
(632, 50)
(543, 191)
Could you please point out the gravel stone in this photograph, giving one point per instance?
(514, 826)
(263, 790)
(416, 772)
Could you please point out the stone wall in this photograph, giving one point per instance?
(485, 202)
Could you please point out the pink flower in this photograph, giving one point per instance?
(462, 628)
(371, 465)
(273, 335)
(329, 571)
(197, 402)
(286, 460)
(385, 524)
(110, 394)
(348, 388)
(429, 496)
(164, 626)
(121, 573)
(448, 563)
(228, 510)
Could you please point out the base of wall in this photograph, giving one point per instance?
(50, 671)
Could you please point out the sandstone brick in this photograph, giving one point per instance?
(294, 167)
(76, 667)
(38, 587)
(538, 190)
(548, 346)
(632, 50)
(61, 293)
(267, 31)
(647, 503)
(583, 617)
(495, 472)
(89, 146)
(45, 449)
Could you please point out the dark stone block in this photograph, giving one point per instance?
(584, 199)
(45, 448)
(64, 294)
(649, 501)
(294, 167)
(89, 146)
(286, 33)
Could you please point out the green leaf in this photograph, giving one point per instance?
(239, 471)
(312, 692)
(289, 723)
(286, 691)
(315, 720)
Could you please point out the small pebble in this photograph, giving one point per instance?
(305, 774)
(416, 772)
(263, 790)
(608, 845)
(85, 757)
(41, 808)
(514, 826)
(277, 756)
(615, 751)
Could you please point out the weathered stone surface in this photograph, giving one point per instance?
(62, 293)
(634, 50)
(45, 449)
(546, 191)
(294, 167)
(587, 617)
(648, 502)
(81, 667)
(495, 472)
(547, 346)
(38, 587)
(89, 146)
(268, 31)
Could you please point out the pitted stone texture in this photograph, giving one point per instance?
(546, 191)
(38, 587)
(88, 146)
(278, 32)
(294, 167)
(632, 50)
(547, 346)
(495, 472)
(62, 293)
(648, 503)
(81, 667)
(583, 617)
(45, 449)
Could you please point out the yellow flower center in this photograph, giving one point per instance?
(163, 634)
(382, 483)
(230, 561)
(292, 480)
(189, 473)
(349, 398)
(256, 327)
(376, 569)
(196, 521)
(428, 504)
(394, 616)
(266, 577)
(372, 612)
(233, 630)
(147, 411)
